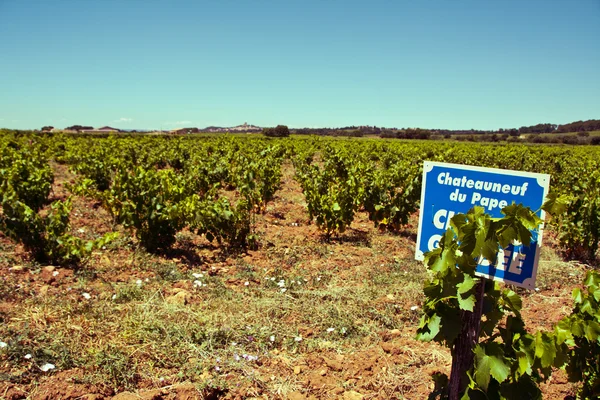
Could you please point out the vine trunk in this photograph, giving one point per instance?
(462, 356)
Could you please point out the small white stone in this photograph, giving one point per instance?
(47, 367)
(272, 338)
(55, 273)
(86, 296)
(3, 344)
(414, 308)
(27, 356)
(246, 283)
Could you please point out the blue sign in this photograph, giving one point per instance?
(450, 189)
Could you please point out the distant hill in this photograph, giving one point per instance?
(365, 130)
(240, 128)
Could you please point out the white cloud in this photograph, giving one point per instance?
(185, 122)
(123, 119)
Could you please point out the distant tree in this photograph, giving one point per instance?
(79, 128)
(566, 139)
(414, 133)
(278, 131)
(386, 134)
(580, 126)
(539, 128)
(47, 128)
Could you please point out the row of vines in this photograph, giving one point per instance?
(156, 186)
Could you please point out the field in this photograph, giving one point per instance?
(220, 282)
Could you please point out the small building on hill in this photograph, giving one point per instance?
(104, 129)
(108, 129)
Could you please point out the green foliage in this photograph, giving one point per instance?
(340, 178)
(26, 173)
(148, 200)
(331, 200)
(278, 131)
(377, 181)
(508, 361)
(581, 332)
(258, 177)
(219, 220)
(47, 238)
(97, 166)
(578, 218)
(25, 183)
(392, 194)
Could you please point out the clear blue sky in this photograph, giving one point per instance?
(432, 64)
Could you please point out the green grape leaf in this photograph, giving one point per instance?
(592, 331)
(556, 205)
(524, 365)
(545, 349)
(490, 361)
(466, 285)
(577, 296)
(430, 327)
(512, 301)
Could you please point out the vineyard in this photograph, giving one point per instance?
(249, 267)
